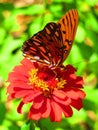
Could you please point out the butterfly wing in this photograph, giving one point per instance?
(45, 45)
(68, 26)
(52, 45)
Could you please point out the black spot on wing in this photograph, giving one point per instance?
(63, 21)
(69, 42)
(64, 32)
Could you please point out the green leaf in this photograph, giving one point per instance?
(2, 35)
(2, 112)
(93, 67)
(80, 34)
(91, 22)
(13, 127)
(91, 2)
(29, 125)
(31, 10)
(25, 126)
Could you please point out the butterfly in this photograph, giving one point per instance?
(52, 45)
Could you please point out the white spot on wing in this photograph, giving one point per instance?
(28, 58)
(46, 61)
(36, 57)
(69, 43)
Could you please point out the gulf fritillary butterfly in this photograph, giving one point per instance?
(52, 45)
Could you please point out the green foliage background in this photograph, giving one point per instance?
(18, 21)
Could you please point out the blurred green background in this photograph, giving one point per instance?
(20, 19)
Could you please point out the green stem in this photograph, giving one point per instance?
(40, 125)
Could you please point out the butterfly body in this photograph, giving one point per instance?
(52, 45)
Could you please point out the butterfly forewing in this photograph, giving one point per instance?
(44, 45)
(68, 25)
(52, 45)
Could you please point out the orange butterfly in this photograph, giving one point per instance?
(52, 45)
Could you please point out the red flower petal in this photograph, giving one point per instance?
(38, 101)
(67, 111)
(59, 93)
(10, 89)
(66, 102)
(21, 70)
(34, 114)
(11, 96)
(29, 64)
(29, 97)
(19, 85)
(46, 113)
(77, 104)
(75, 93)
(70, 69)
(56, 112)
(42, 112)
(19, 109)
(23, 93)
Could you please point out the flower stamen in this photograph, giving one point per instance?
(61, 83)
(36, 81)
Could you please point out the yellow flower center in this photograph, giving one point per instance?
(61, 83)
(36, 81)
(39, 83)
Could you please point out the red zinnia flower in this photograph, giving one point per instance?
(51, 91)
